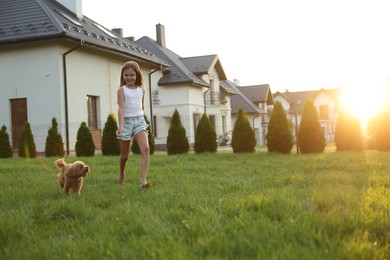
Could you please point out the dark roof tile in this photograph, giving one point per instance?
(28, 20)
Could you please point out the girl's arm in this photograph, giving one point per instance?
(121, 110)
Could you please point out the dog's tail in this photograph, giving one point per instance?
(60, 163)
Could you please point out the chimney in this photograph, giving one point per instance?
(130, 38)
(74, 6)
(160, 35)
(118, 31)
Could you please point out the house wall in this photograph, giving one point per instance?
(33, 73)
(187, 100)
(329, 125)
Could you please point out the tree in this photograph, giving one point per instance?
(84, 143)
(5, 146)
(177, 141)
(279, 136)
(205, 138)
(110, 143)
(243, 139)
(383, 133)
(348, 135)
(135, 148)
(54, 145)
(27, 146)
(311, 137)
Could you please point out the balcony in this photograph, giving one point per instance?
(215, 98)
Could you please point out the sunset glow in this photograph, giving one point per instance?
(364, 103)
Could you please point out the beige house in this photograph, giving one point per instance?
(325, 101)
(56, 62)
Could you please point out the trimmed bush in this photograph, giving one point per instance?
(177, 141)
(110, 143)
(27, 146)
(348, 135)
(311, 137)
(54, 145)
(135, 148)
(5, 146)
(382, 136)
(279, 136)
(243, 139)
(84, 144)
(205, 138)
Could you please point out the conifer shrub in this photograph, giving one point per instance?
(177, 141)
(382, 137)
(243, 138)
(5, 145)
(110, 142)
(27, 146)
(279, 136)
(84, 144)
(311, 138)
(54, 145)
(348, 134)
(205, 137)
(134, 146)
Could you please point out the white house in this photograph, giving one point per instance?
(325, 101)
(56, 62)
(257, 102)
(192, 85)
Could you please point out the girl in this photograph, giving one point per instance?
(131, 120)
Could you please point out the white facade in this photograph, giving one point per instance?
(35, 72)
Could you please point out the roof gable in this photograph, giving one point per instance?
(241, 101)
(204, 64)
(178, 72)
(298, 98)
(258, 93)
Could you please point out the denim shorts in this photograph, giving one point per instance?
(133, 126)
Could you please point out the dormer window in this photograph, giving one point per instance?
(67, 17)
(106, 31)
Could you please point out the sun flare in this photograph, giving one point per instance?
(364, 103)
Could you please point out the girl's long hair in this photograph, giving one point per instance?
(139, 81)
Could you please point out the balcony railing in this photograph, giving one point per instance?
(215, 98)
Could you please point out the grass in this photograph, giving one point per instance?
(206, 206)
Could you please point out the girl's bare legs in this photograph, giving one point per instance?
(125, 151)
(143, 144)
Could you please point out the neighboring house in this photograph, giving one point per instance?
(55, 62)
(257, 103)
(192, 85)
(325, 101)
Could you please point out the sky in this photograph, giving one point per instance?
(291, 45)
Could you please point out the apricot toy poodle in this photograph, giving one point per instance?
(71, 175)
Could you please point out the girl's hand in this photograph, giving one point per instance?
(119, 132)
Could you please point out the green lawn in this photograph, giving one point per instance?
(208, 206)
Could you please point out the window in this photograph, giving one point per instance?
(223, 124)
(324, 112)
(92, 112)
(155, 126)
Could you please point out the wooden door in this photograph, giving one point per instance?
(19, 119)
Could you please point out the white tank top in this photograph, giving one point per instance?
(133, 101)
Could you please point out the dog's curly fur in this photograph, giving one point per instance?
(72, 175)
